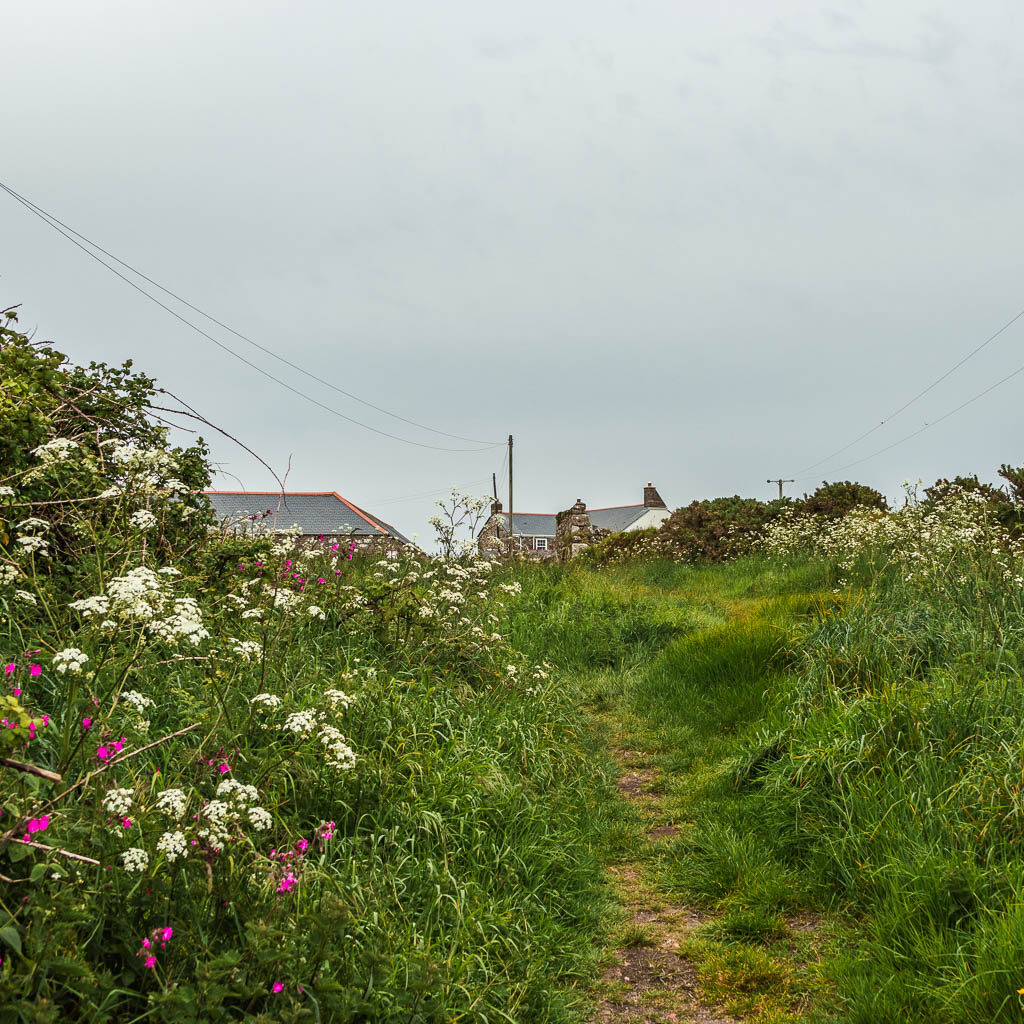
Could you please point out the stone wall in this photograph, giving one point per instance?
(574, 532)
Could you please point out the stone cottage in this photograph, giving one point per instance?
(534, 534)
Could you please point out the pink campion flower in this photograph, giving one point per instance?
(16, 691)
(166, 933)
(35, 670)
(334, 547)
(46, 720)
(126, 823)
(224, 769)
(146, 943)
(150, 961)
(102, 753)
(119, 744)
(86, 723)
(302, 845)
(278, 986)
(9, 668)
(287, 883)
(321, 580)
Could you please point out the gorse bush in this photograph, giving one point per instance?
(243, 780)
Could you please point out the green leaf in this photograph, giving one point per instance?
(38, 871)
(9, 933)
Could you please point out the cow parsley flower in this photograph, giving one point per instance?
(172, 845)
(90, 606)
(138, 701)
(143, 519)
(118, 801)
(24, 595)
(32, 523)
(71, 659)
(253, 613)
(260, 819)
(172, 802)
(266, 700)
(57, 449)
(8, 574)
(232, 789)
(338, 699)
(339, 753)
(33, 544)
(300, 722)
(247, 649)
(135, 859)
(6, 492)
(315, 612)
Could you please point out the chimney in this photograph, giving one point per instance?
(652, 499)
(495, 508)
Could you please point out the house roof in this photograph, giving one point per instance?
(314, 512)
(542, 524)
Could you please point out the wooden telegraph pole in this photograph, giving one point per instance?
(510, 494)
(780, 482)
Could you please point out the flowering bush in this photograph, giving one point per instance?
(304, 768)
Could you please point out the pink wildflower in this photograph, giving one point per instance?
(224, 769)
(35, 670)
(287, 883)
(16, 691)
(150, 961)
(126, 823)
(302, 845)
(166, 933)
(87, 723)
(102, 753)
(278, 986)
(9, 668)
(146, 943)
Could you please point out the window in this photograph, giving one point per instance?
(542, 543)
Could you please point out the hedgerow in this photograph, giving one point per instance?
(247, 780)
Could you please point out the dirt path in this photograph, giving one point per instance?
(652, 981)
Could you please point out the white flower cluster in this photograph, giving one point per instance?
(135, 860)
(8, 574)
(185, 622)
(339, 753)
(303, 723)
(118, 801)
(338, 699)
(33, 524)
(58, 449)
(32, 544)
(6, 492)
(235, 802)
(25, 596)
(71, 659)
(172, 802)
(315, 612)
(172, 845)
(246, 649)
(143, 519)
(266, 700)
(137, 701)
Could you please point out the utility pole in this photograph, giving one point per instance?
(494, 484)
(780, 482)
(510, 494)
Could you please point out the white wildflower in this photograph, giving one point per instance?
(6, 492)
(266, 700)
(172, 802)
(8, 574)
(338, 699)
(24, 595)
(172, 845)
(33, 544)
(143, 519)
(32, 524)
(55, 450)
(137, 700)
(110, 492)
(71, 659)
(118, 801)
(247, 649)
(301, 722)
(253, 613)
(90, 606)
(230, 789)
(315, 613)
(169, 570)
(135, 859)
(260, 819)
(339, 753)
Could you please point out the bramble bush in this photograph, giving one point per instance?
(246, 780)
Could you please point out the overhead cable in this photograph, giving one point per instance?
(68, 232)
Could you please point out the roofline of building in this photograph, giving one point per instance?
(284, 494)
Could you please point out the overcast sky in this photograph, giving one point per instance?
(694, 244)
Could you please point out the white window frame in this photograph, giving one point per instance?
(540, 543)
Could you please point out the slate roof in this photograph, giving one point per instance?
(538, 524)
(315, 513)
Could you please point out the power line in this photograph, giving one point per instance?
(932, 423)
(63, 229)
(908, 404)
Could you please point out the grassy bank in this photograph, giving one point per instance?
(840, 736)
